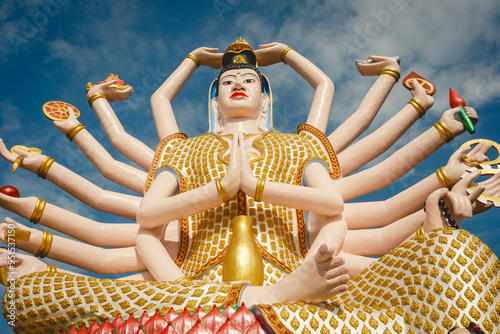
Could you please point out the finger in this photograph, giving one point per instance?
(336, 272)
(476, 193)
(431, 204)
(333, 284)
(22, 153)
(109, 83)
(324, 254)
(465, 182)
(377, 58)
(459, 153)
(212, 50)
(268, 45)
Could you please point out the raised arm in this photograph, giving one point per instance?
(403, 160)
(361, 119)
(103, 200)
(123, 142)
(110, 168)
(384, 137)
(324, 89)
(161, 101)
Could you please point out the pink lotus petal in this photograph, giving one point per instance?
(228, 328)
(184, 322)
(199, 313)
(155, 324)
(118, 321)
(228, 311)
(213, 320)
(128, 327)
(198, 329)
(243, 319)
(170, 315)
(105, 328)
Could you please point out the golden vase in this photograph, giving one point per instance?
(242, 261)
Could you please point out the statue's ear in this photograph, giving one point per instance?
(217, 113)
(263, 112)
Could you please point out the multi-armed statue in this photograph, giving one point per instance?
(308, 253)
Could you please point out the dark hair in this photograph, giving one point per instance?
(237, 66)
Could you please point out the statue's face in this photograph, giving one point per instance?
(240, 94)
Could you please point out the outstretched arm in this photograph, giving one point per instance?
(76, 226)
(378, 214)
(322, 84)
(361, 119)
(77, 186)
(402, 161)
(123, 142)
(385, 136)
(161, 101)
(110, 168)
(81, 255)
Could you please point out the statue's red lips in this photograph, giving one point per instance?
(236, 95)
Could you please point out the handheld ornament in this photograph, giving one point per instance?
(457, 101)
(10, 191)
(430, 89)
(58, 110)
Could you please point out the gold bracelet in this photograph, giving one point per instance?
(95, 97)
(393, 73)
(418, 107)
(18, 234)
(51, 268)
(259, 189)
(74, 130)
(38, 211)
(221, 190)
(44, 167)
(444, 131)
(44, 249)
(444, 178)
(182, 280)
(420, 231)
(3, 276)
(284, 52)
(193, 58)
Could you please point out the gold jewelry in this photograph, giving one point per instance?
(16, 163)
(393, 73)
(193, 58)
(44, 167)
(420, 231)
(73, 131)
(38, 211)
(18, 234)
(45, 245)
(444, 178)
(3, 276)
(284, 52)
(259, 189)
(51, 268)
(221, 190)
(182, 280)
(444, 131)
(418, 107)
(95, 97)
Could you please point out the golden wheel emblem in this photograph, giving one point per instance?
(58, 110)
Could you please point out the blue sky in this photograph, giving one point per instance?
(49, 50)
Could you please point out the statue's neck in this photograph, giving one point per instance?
(235, 125)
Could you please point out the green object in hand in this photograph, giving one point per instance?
(466, 121)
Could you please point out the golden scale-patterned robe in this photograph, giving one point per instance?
(428, 284)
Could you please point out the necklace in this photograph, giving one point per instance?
(252, 155)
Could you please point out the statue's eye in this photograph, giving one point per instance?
(227, 82)
(251, 80)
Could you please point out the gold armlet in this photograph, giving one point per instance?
(284, 52)
(74, 130)
(51, 268)
(17, 235)
(38, 211)
(259, 190)
(418, 107)
(193, 58)
(182, 280)
(221, 190)
(444, 131)
(45, 245)
(95, 97)
(444, 178)
(393, 73)
(44, 167)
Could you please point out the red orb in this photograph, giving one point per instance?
(10, 191)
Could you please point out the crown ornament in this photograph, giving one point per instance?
(240, 52)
